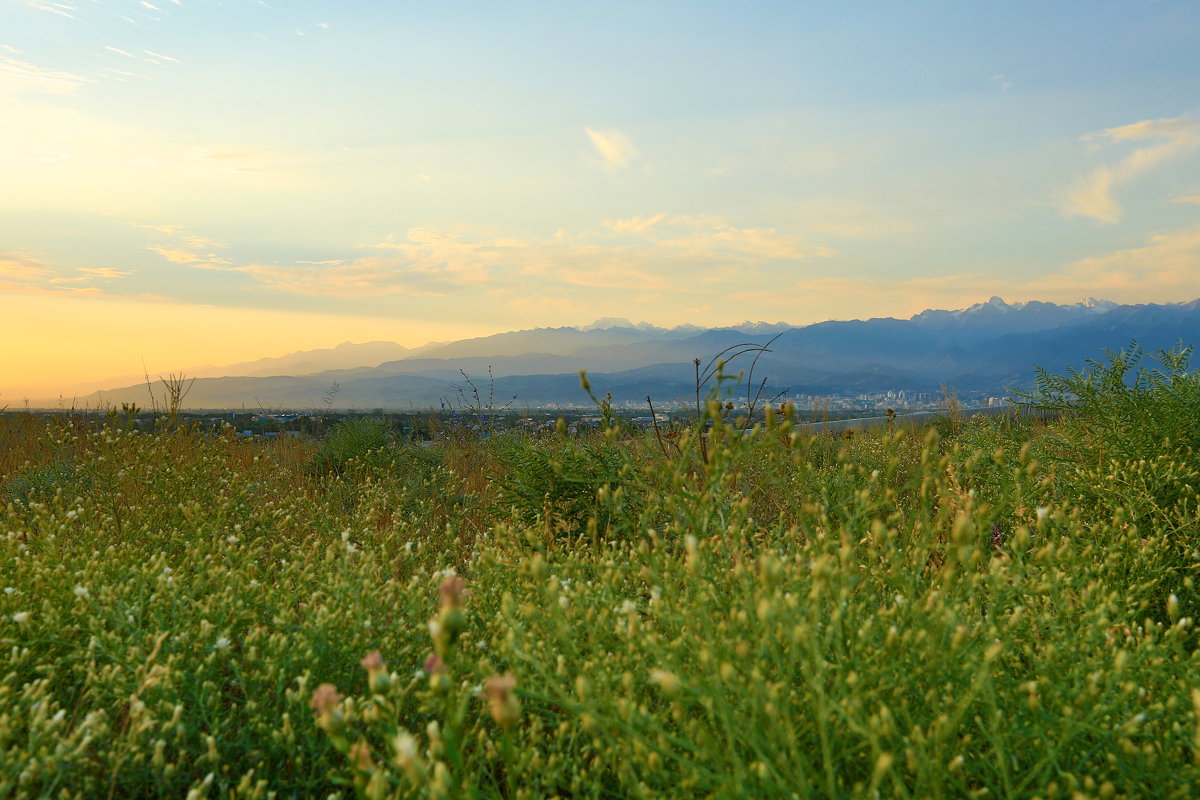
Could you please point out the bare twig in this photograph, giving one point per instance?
(177, 388)
(654, 418)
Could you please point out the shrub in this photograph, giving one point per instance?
(40, 483)
(558, 483)
(1127, 451)
(1119, 409)
(366, 441)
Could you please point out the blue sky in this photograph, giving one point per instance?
(205, 182)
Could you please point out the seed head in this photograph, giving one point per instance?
(377, 676)
(667, 681)
(325, 698)
(453, 591)
(439, 674)
(434, 665)
(498, 690)
(327, 703)
(360, 755)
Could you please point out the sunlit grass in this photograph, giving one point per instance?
(971, 609)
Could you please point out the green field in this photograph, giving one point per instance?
(1001, 607)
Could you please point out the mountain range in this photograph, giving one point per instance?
(987, 348)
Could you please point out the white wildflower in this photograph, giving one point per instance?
(405, 746)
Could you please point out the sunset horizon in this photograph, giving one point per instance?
(191, 184)
(327, 361)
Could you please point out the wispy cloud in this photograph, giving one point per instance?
(634, 225)
(202, 242)
(1092, 196)
(86, 274)
(160, 56)
(119, 51)
(105, 273)
(1166, 265)
(167, 229)
(23, 274)
(659, 252)
(17, 267)
(1190, 198)
(189, 257)
(122, 75)
(22, 76)
(186, 248)
(613, 147)
(61, 9)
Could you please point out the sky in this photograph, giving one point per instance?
(197, 182)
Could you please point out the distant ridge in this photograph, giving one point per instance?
(305, 362)
(984, 348)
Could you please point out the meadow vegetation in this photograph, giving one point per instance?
(994, 607)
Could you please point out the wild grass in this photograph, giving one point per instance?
(969, 609)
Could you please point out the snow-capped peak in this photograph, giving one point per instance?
(1096, 306)
(605, 323)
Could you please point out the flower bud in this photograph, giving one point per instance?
(453, 591)
(667, 681)
(326, 702)
(377, 676)
(504, 703)
(439, 674)
(360, 756)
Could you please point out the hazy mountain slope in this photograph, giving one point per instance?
(555, 341)
(346, 355)
(987, 347)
